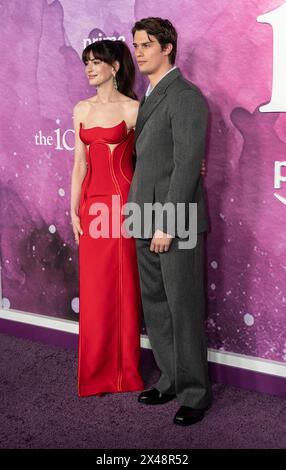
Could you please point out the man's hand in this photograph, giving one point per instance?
(160, 242)
(203, 168)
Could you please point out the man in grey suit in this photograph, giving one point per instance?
(170, 141)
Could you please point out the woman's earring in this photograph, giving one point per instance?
(115, 81)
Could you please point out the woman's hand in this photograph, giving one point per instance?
(77, 230)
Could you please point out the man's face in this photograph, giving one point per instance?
(148, 52)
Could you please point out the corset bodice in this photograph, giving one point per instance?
(109, 135)
(109, 170)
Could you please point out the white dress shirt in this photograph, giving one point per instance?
(150, 89)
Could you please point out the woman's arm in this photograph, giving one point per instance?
(79, 170)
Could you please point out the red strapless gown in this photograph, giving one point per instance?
(109, 289)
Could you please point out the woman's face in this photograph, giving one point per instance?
(98, 71)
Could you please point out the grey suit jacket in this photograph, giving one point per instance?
(170, 139)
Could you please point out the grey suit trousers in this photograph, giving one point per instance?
(173, 299)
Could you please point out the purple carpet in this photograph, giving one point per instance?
(40, 409)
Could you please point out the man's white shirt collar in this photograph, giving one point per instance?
(150, 89)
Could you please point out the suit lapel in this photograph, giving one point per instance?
(147, 106)
(146, 110)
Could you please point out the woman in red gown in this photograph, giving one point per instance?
(109, 291)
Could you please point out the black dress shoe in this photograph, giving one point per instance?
(187, 415)
(154, 397)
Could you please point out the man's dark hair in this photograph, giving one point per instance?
(163, 30)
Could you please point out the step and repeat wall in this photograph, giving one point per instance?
(236, 53)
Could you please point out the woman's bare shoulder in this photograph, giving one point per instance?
(81, 106)
(131, 110)
(132, 104)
